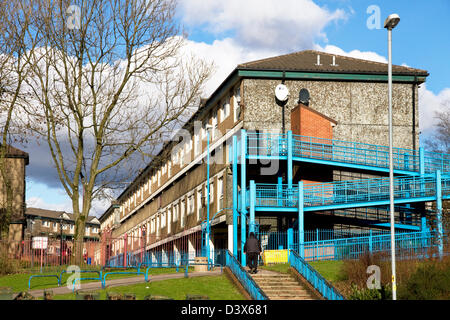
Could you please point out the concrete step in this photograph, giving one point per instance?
(290, 298)
(279, 286)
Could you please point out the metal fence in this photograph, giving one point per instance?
(47, 253)
(350, 244)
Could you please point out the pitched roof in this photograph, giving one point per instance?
(307, 61)
(12, 152)
(56, 214)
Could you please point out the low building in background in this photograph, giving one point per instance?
(54, 224)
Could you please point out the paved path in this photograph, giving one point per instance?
(124, 282)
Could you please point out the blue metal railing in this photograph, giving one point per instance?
(350, 244)
(244, 278)
(364, 191)
(314, 278)
(371, 155)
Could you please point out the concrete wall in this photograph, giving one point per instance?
(15, 167)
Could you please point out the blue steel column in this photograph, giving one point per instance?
(421, 161)
(289, 159)
(423, 219)
(439, 212)
(243, 194)
(280, 191)
(290, 238)
(235, 198)
(301, 233)
(252, 206)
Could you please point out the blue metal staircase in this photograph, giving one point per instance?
(348, 194)
(420, 176)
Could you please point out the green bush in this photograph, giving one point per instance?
(385, 293)
(431, 281)
(8, 266)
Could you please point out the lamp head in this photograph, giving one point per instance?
(391, 21)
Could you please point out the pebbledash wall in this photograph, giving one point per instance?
(359, 108)
(358, 105)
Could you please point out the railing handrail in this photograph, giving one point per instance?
(336, 295)
(431, 158)
(247, 280)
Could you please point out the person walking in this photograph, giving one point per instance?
(252, 248)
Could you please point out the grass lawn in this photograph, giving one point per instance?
(330, 270)
(215, 287)
(19, 281)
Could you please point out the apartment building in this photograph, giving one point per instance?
(347, 102)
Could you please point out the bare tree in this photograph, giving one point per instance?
(440, 140)
(15, 42)
(108, 79)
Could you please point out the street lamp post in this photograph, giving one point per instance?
(208, 128)
(390, 23)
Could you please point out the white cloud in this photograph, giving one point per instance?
(292, 25)
(226, 54)
(366, 55)
(36, 202)
(429, 103)
(97, 209)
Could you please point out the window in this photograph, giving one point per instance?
(163, 219)
(204, 129)
(211, 192)
(197, 145)
(175, 156)
(169, 219)
(199, 202)
(152, 225)
(214, 125)
(225, 110)
(157, 226)
(181, 156)
(237, 103)
(191, 204)
(188, 145)
(169, 169)
(220, 193)
(175, 212)
(182, 212)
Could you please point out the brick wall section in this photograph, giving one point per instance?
(308, 122)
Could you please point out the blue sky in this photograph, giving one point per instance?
(235, 31)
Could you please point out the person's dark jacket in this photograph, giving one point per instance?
(252, 245)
